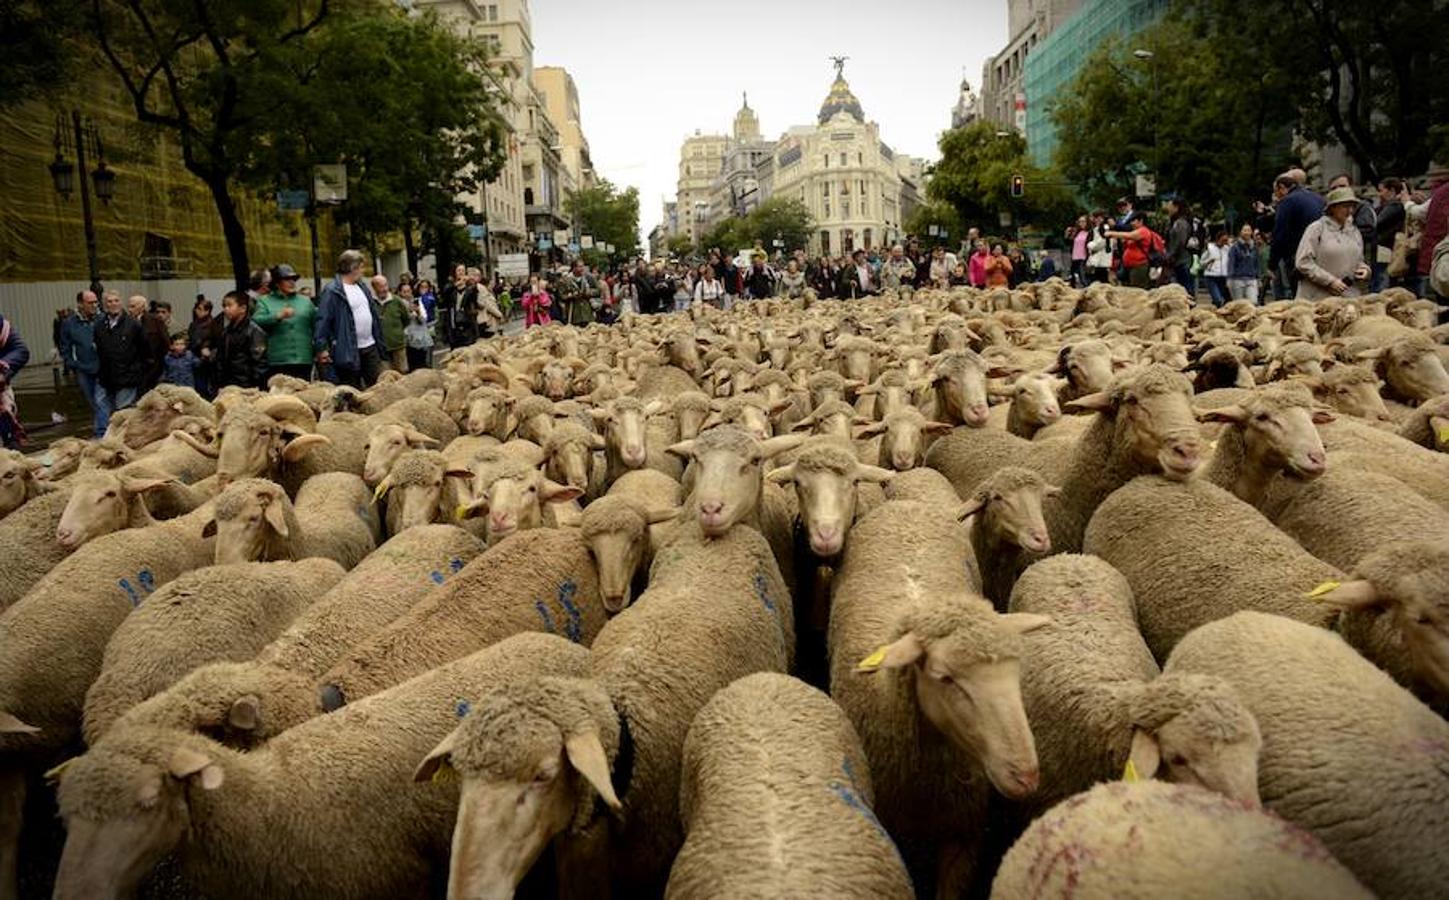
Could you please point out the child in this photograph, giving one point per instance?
(180, 363)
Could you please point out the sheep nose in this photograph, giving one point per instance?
(65, 537)
(224, 478)
(1028, 780)
(1039, 541)
(976, 415)
(903, 462)
(633, 454)
(711, 507)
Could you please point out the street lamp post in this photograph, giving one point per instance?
(1148, 57)
(83, 135)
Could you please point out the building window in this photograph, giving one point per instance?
(528, 196)
(845, 189)
(826, 212)
(842, 157)
(862, 187)
(845, 209)
(825, 189)
(859, 158)
(493, 12)
(847, 241)
(867, 239)
(827, 160)
(824, 243)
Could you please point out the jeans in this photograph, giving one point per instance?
(365, 375)
(1285, 287)
(1182, 274)
(419, 358)
(1217, 287)
(110, 401)
(1079, 273)
(1243, 288)
(89, 387)
(1380, 278)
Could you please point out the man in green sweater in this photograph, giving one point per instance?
(287, 318)
(395, 315)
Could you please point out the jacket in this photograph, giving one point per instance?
(335, 330)
(1327, 251)
(1299, 209)
(242, 357)
(894, 273)
(1099, 248)
(997, 270)
(395, 317)
(13, 354)
(575, 293)
(180, 369)
(1436, 226)
(760, 283)
(78, 344)
(1367, 222)
(289, 341)
(1178, 235)
(122, 351)
(1214, 261)
(1389, 221)
(158, 343)
(535, 308)
(1242, 260)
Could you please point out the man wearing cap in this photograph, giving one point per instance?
(1296, 208)
(288, 318)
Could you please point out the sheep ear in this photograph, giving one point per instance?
(1098, 402)
(1051, 490)
(185, 762)
(244, 713)
(873, 474)
(1145, 756)
(596, 442)
(780, 406)
(1021, 623)
(133, 485)
(782, 475)
(436, 763)
(300, 446)
(11, 724)
(1350, 595)
(970, 508)
(209, 529)
(277, 517)
(938, 428)
(654, 407)
(553, 492)
(418, 439)
(586, 754)
(871, 430)
(1234, 414)
(654, 517)
(804, 424)
(772, 447)
(599, 415)
(683, 449)
(903, 652)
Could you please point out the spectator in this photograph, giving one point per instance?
(626, 294)
(78, 354)
(1330, 256)
(13, 357)
(959, 278)
(488, 315)
(1020, 267)
(759, 281)
(1297, 208)
(181, 363)
(683, 293)
(1137, 242)
(1080, 236)
(1436, 224)
(447, 306)
(823, 277)
(577, 291)
(897, 270)
(158, 338)
(997, 268)
(1099, 249)
(289, 320)
(1179, 244)
(348, 335)
(1047, 268)
(729, 279)
(1215, 268)
(708, 289)
(417, 334)
(1389, 223)
(857, 279)
(259, 284)
(792, 281)
(241, 357)
(203, 335)
(121, 349)
(394, 315)
(1364, 217)
(428, 300)
(536, 303)
(1243, 266)
(976, 265)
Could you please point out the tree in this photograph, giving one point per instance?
(787, 220)
(609, 216)
(35, 51)
(680, 246)
(941, 215)
(974, 177)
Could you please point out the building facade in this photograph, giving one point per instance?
(1061, 55)
(1003, 88)
(737, 190)
(561, 98)
(967, 108)
(701, 159)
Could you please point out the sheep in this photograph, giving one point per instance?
(1411, 368)
(267, 823)
(1033, 405)
(903, 435)
(690, 409)
(1096, 699)
(1361, 447)
(157, 411)
(624, 422)
(924, 485)
(19, 481)
(332, 518)
(957, 391)
(775, 798)
(1345, 515)
(215, 613)
(407, 424)
(1008, 532)
(535, 418)
(625, 528)
(1269, 432)
(423, 487)
(714, 612)
(664, 382)
(511, 494)
(569, 458)
(102, 502)
(902, 604)
(1428, 424)
(246, 704)
(538, 580)
(487, 411)
(1088, 367)
(55, 635)
(1347, 753)
(28, 545)
(1145, 423)
(278, 436)
(1147, 839)
(61, 458)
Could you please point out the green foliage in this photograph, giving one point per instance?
(680, 246)
(785, 219)
(610, 216)
(35, 54)
(943, 216)
(974, 174)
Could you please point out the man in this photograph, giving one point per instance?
(857, 279)
(1364, 217)
(394, 314)
(759, 281)
(122, 353)
(897, 270)
(1296, 208)
(661, 290)
(78, 354)
(158, 338)
(1389, 220)
(288, 319)
(577, 289)
(729, 279)
(259, 284)
(448, 303)
(348, 335)
(1436, 225)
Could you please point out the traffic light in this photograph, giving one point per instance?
(1018, 186)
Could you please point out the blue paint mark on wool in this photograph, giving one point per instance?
(436, 577)
(125, 585)
(462, 708)
(574, 628)
(147, 582)
(762, 591)
(850, 797)
(543, 614)
(456, 565)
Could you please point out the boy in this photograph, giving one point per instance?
(180, 364)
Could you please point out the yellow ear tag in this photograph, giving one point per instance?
(1444, 435)
(872, 663)
(444, 772)
(461, 512)
(380, 490)
(1325, 588)
(1129, 773)
(1212, 445)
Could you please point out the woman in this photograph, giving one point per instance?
(1137, 241)
(536, 303)
(1243, 271)
(996, 269)
(792, 283)
(1082, 234)
(1330, 256)
(708, 289)
(683, 292)
(417, 334)
(1180, 244)
(1020, 268)
(1214, 261)
(1099, 250)
(823, 277)
(626, 294)
(976, 266)
(959, 278)
(428, 300)
(241, 357)
(940, 271)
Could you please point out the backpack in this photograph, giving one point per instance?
(1157, 251)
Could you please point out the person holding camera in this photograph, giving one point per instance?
(1330, 255)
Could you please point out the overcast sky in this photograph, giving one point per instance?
(650, 72)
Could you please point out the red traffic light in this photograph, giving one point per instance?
(1018, 186)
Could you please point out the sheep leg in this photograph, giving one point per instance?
(12, 808)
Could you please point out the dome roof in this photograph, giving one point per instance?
(840, 99)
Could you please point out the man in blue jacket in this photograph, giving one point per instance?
(1297, 208)
(348, 333)
(78, 353)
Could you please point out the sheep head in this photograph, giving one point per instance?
(253, 520)
(569, 454)
(832, 418)
(1034, 399)
(1351, 390)
(488, 408)
(959, 377)
(1193, 729)
(1008, 506)
(62, 458)
(729, 476)
(536, 417)
(156, 411)
(616, 528)
(1278, 429)
(1154, 428)
(691, 408)
(125, 808)
(385, 443)
(1087, 365)
(1412, 367)
(19, 481)
(511, 494)
(965, 661)
(103, 502)
(825, 475)
(625, 424)
(532, 758)
(256, 440)
(903, 437)
(414, 487)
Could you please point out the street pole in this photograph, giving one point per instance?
(85, 192)
(316, 253)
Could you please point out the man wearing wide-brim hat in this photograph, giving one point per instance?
(1330, 259)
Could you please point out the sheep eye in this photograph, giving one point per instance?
(945, 678)
(1423, 620)
(109, 495)
(1178, 760)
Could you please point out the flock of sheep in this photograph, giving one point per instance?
(1041, 593)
